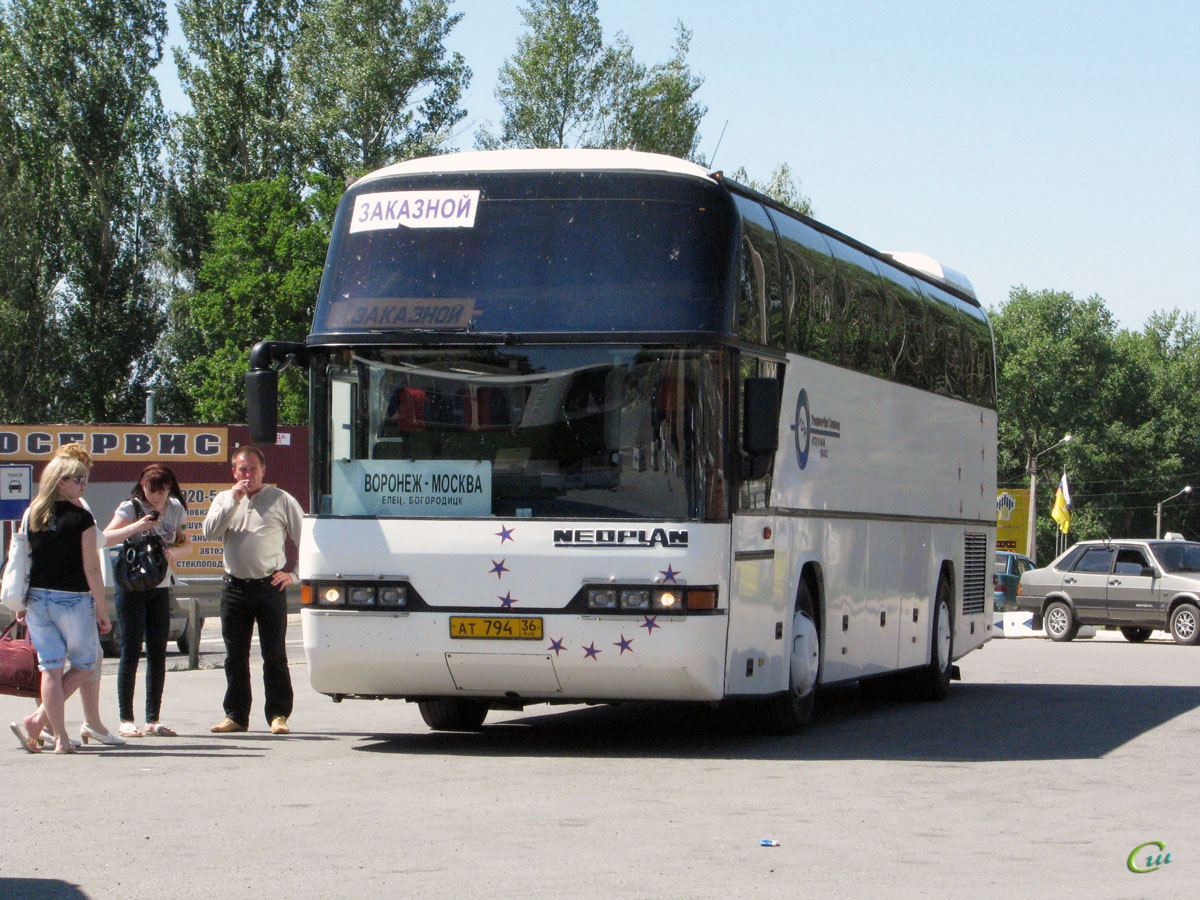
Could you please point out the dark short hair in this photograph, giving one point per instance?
(249, 450)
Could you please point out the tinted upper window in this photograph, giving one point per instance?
(1095, 559)
(1178, 556)
(1130, 561)
(543, 252)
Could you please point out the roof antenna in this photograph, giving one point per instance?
(718, 147)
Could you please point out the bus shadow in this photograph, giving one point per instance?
(40, 889)
(976, 723)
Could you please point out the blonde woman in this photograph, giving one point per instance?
(89, 692)
(66, 598)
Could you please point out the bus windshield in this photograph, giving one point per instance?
(591, 252)
(579, 430)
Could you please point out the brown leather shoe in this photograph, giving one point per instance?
(279, 725)
(227, 725)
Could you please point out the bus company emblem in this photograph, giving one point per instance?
(812, 432)
(620, 537)
(802, 428)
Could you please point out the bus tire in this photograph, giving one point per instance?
(1059, 622)
(932, 681)
(453, 714)
(1185, 624)
(790, 711)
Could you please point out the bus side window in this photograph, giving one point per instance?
(760, 291)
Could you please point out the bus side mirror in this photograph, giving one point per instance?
(760, 423)
(267, 360)
(262, 405)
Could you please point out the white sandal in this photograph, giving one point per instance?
(129, 730)
(158, 729)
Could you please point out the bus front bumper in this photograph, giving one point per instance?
(377, 654)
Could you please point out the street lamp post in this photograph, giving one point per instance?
(1031, 534)
(1158, 510)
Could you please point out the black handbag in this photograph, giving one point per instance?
(141, 563)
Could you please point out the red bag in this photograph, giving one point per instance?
(19, 673)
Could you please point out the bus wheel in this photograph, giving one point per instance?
(1135, 635)
(789, 712)
(1185, 624)
(452, 714)
(1059, 622)
(932, 682)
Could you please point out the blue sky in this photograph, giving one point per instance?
(1052, 144)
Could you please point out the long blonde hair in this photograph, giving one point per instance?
(56, 470)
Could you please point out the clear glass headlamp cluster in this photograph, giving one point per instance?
(360, 596)
(650, 598)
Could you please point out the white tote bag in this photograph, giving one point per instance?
(16, 568)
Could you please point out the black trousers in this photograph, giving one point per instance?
(144, 615)
(243, 605)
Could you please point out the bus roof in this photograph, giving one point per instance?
(542, 160)
(597, 160)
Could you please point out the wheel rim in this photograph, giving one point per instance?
(1056, 621)
(1185, 623)
(944, 635)
(798, 664)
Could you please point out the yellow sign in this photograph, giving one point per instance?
(1012, 520)
(116, 443)
(205, 558)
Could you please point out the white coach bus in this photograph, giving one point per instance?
(594, 426)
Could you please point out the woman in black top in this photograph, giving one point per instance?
(66, 594)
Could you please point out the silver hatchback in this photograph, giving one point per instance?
(1137, 586)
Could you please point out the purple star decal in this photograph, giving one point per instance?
(507, 600)
(498, 568)
(624, 644)
(556, 644)
(650, 624)
(669, 575)
(591, 652)
(505, 534)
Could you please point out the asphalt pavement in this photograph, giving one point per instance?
(1041, 774)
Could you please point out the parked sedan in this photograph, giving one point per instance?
(1137, 586)
(1005, 577)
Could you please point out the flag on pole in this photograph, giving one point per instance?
(1061, 511)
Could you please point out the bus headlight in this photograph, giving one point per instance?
(602, 598)
(361, 595)
(393, 596)
(670, 600)
(635, 598)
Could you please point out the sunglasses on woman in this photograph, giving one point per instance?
(78, 479)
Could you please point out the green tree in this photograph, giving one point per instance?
(259, 280)
(31, 254)
(395, 92)
(234, 70)
(781, 186)
(551, 87)
(656, 109)
(81, 76)
(564, 88)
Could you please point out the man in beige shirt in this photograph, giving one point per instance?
(253, 522)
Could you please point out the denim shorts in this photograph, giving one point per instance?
(62, 626)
